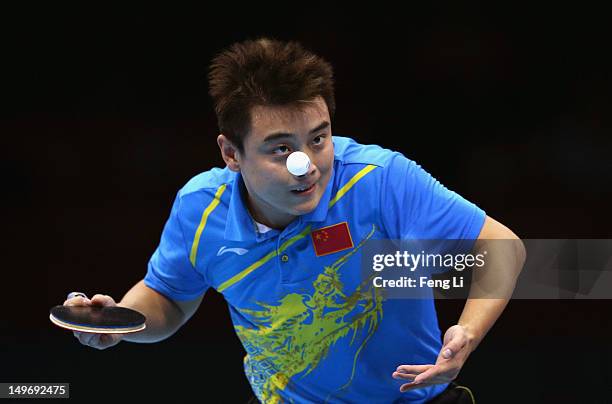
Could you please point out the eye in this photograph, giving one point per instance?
(317, 141)
(280, 149)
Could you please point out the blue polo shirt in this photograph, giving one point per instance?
(312, 329)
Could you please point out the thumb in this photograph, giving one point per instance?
(454, 340)
(451, 348)
(103, 300)
(447, 352)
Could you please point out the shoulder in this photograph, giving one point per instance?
(208, 181)
(348, 151)
(350, 155)
(211, 188)
(375, 170)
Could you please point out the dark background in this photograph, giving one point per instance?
(106, 116)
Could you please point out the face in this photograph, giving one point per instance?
(275, 196)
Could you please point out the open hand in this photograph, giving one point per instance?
(452, 356)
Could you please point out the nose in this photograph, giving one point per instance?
(311, 170)
(298, 164)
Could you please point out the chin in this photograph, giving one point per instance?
(304, 209)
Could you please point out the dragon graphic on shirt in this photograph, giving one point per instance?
(294, 336)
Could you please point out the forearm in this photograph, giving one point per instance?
(478, 317)
(164, 317)
(492, 286)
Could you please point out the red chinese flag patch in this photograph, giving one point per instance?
(331, 239)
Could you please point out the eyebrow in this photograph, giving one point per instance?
(281, 135)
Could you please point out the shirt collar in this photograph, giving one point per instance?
(239, 225)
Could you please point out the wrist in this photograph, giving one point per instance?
(472, 338)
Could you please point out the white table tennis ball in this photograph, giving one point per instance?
(298, 163)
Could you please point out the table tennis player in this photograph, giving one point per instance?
(280, 238)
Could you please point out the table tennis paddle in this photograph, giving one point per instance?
(98, 319)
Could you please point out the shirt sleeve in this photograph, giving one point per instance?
(169, 271)
(416, 206)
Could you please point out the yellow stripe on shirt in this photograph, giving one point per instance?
(238, 277)
(345, 188)
(211, 206)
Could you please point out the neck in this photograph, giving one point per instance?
(258, 209)
(277, 222)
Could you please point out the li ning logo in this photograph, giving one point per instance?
(239, 251)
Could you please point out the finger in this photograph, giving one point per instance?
(413, 386)
(405, 376)
(85, 338)
(96, 341)
(454, 341)
(413, 368)
(449, 350)
(75, 294)
(108, 340)
(440, 378)
(429, 375)
(103, 300)
(77, 301)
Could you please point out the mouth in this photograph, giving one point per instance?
(303, 190)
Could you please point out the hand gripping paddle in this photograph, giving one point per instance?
(98, 319)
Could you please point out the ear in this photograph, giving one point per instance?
(229, 152)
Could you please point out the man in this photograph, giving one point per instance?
(284, 249)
